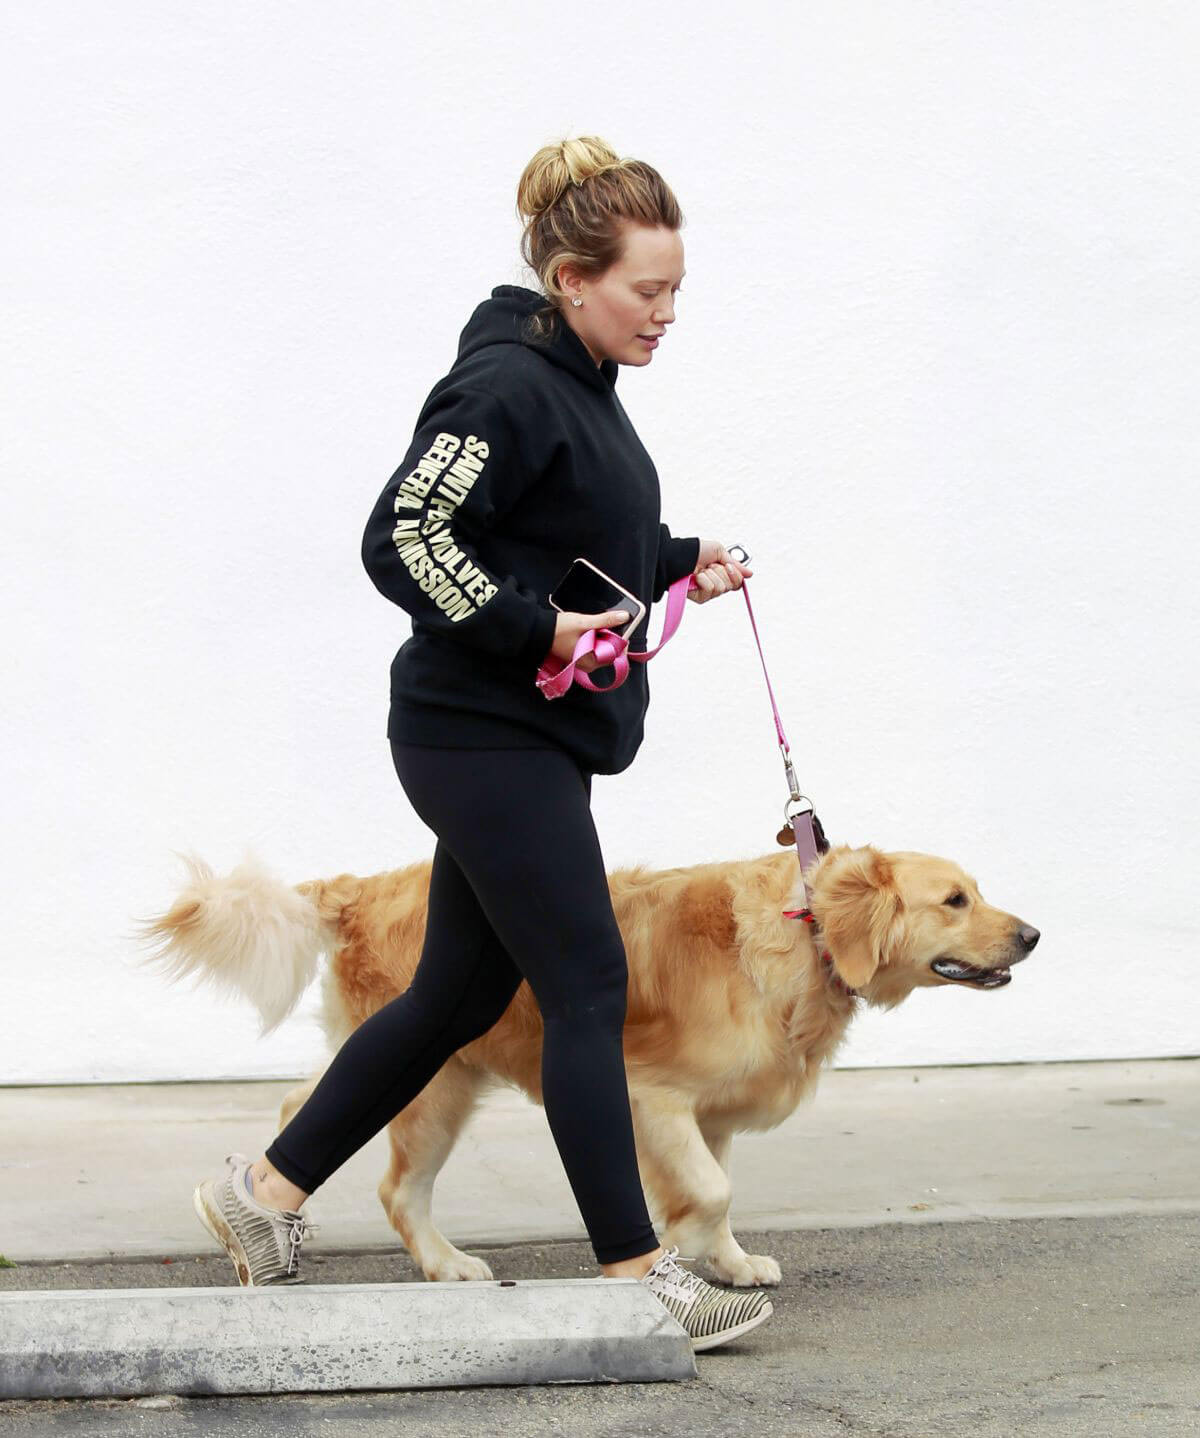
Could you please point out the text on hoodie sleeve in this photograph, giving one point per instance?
(461, 474)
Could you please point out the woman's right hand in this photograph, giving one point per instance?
(568, 627)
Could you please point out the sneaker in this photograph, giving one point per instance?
(711, 1315)
(263, 1242)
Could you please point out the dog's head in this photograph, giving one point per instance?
(893, 922)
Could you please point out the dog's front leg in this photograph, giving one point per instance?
(729, 1261)
(691, 1189)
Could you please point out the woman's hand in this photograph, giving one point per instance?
(716, 572)
(568, 627)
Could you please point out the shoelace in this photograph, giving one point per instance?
(299, 1228)
(674, 1279)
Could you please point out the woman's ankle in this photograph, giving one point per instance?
(272, 1190)
(632, 1267)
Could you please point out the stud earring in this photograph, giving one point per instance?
(577, 301)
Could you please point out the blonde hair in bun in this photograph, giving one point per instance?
(575, 197)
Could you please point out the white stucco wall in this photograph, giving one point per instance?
(935, 364)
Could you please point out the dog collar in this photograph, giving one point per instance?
(838, 982)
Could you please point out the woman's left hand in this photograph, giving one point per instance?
(716, 572)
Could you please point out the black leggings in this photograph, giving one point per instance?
(518, 890)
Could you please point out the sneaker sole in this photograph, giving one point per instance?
(204, 1202)
(712, 1339)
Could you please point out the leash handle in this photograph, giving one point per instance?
(554, 677)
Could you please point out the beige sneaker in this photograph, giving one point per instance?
(264, 1243)
(711, 1315)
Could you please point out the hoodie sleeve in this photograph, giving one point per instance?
(676, 557)
(461, 473)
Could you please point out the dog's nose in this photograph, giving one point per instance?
(1028, 935)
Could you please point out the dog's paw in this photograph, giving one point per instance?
(747, 1270)
(458, 1267)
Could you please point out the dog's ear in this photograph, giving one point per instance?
(855, 900)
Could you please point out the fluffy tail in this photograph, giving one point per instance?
(248, 933)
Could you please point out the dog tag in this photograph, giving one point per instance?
(787, 835)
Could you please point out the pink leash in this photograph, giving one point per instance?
(554, 678)
(801, 822)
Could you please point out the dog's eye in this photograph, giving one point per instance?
(958, 899)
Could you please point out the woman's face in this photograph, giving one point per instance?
(635, 296)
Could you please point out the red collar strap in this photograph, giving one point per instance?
(809, 918)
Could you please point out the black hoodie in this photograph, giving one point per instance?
(522, 459)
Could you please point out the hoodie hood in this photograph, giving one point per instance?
(502, 320)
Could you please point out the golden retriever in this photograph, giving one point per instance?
(732, 1010)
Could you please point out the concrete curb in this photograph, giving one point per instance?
(294, 1338)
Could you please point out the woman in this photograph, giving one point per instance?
(523, 458)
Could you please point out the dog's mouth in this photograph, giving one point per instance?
(962, 973)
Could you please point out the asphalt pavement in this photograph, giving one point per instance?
(1002, 1249)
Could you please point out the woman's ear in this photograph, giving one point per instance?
(855, 901)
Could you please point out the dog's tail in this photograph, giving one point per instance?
(248, 933)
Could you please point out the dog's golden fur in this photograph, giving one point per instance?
(731, 1012)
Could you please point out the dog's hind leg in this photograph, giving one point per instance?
(422, 1135)
(729, 1261)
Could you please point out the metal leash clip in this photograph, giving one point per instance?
(787, 835)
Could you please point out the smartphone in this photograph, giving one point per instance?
(584, 589)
